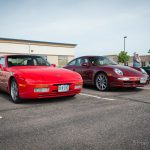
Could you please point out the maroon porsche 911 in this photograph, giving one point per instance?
(105, 73)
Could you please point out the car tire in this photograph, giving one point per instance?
(101, 82)
(14, 91)
(72, 95)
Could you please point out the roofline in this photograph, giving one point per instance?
(37, 42)
(92, 55)
(7, 55)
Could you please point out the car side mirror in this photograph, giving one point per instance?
(1, 67)
(53, 65)
(85, 64)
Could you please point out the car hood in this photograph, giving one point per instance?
(47, 74)
(127, 71)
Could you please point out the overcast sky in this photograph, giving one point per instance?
(96, 26)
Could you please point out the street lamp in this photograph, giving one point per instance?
(124, 42)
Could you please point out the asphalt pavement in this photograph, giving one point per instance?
(115, 120)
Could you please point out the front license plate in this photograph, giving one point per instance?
(63, 88)
(143, 80)
(41, 90)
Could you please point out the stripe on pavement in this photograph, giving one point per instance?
(98, 97)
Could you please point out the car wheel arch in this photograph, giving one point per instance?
(101, 86)
(99, 73)
(14, 97)
(9, 82)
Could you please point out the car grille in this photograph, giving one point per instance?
(57, 94)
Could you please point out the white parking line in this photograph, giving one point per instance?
(146, 88)
(1, 117)
(98, 97)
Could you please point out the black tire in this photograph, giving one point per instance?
(72, 95)
(101, 82)
(14, 92)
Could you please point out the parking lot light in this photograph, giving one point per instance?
(124, 42)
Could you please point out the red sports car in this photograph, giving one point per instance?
(31, 76)
(105, 73)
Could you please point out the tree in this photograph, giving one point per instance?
(123, 57)
(149, 51)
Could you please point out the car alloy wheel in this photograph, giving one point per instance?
(14, 92)
(101, 82)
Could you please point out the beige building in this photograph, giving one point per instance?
(56, 53)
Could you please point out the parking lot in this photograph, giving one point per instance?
(115, 120)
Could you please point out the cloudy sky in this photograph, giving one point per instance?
(97, 27)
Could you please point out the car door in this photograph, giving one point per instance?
(4, 75)
(87, 70)
(75, 65)
(78, 65)
(84, 68)
(71, 65)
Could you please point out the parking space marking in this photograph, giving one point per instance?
(1, 117)
(146, 88)
(98, 97)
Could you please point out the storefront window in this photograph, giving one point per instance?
(62, 61)
(143, 63)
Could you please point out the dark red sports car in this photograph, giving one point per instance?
(31, 76)
(105, 73)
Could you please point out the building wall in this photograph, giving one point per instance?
(52, 52)
(10, 48)
(52, 59)
(46, 50)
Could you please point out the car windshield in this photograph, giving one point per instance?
(26, 60)
(101, 60)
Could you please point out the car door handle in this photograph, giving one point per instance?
(74, 69)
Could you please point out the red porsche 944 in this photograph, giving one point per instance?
(31, 77)
(105, 73)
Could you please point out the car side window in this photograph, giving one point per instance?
(72, 63)
(80, 61)
(2, 61)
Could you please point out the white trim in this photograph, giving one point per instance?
(105, 98)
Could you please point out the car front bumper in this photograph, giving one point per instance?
(129, 82)
(28, 92)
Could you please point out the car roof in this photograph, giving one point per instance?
(90, 56)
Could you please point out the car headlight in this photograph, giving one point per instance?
(78, 85)
(143, 71)
(118, 71)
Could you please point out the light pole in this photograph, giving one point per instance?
(124, 42)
